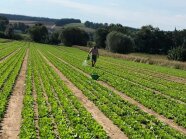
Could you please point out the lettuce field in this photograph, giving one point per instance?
(47, 93)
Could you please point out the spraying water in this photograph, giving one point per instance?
(85, 63)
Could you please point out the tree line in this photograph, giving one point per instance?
(27, 18)
(7, 30)
(58, 22)
(66, 21)
(147, 39)
(113, 37)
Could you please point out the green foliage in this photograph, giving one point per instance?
(9, 32)
(178, 54)
(184, 44)
(91, 44)
(130, 119)
(39, 33)
(60, 110)
(3, 23)
(100, 37)
(20, 26)
(119, 43)
(151, 40)
(54, 38)
(65, 21)
(9, 70)
(57, 105)
(2, 35)
(95, 25)
(127, 76)
(74, 36)
(28, 129)
(117, 27)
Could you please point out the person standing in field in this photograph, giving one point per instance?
(94, 52)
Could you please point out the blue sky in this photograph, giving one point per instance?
(165, 14)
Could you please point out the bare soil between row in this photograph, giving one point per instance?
(112, 130)
(134, 102)
(12, 121)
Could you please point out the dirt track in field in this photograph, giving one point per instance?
(12, 120)
(112, 130)
(134, 102)
(7, 56)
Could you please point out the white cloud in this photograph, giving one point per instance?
(113, 12)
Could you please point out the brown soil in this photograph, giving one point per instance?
(12, 120)
(112, 130)
(6, 57)
(134, 102)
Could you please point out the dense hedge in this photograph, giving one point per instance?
(119, 42)
(178, 53)
(74, 36)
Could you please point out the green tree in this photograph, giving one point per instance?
(54, 38)
(119, 42)
(152, 40)
(9, 32)
(74, 36)
(39, 33)
(118, 28)
(177, 38)
(100, 37)
(178, 53)
(3, 23)
(20, 26)
(184, 43)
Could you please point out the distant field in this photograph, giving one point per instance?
(31, 22)
(51, 25)
(81, 26)
(55, 97)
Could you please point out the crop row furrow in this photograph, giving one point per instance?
(72, 108)
(7, 88)
(171, 89)
(166, 106)
(161, 104)
(128, 117)
(28, 128)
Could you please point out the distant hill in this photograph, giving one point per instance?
(28, 18)
(57, 24)
(49, 22)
